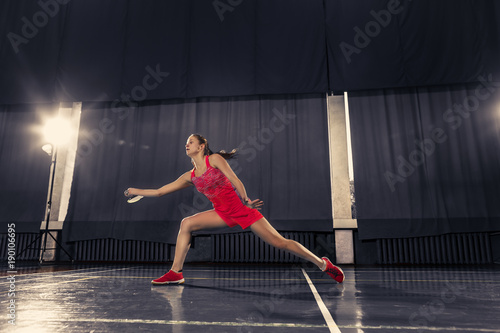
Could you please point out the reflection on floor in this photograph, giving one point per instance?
(253, 298)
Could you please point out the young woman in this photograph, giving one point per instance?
(213, 177)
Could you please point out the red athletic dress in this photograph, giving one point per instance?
(219, 190)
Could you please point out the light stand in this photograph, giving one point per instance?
(47, 232)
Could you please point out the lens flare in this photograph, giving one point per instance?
(57, 131)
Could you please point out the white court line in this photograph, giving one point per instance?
(72, 274)
(63, 273)
(382, 328)
(332, 326)
(174, 322)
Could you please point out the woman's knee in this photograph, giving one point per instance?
(281, 243)
(187, 224)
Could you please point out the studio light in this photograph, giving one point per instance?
(47, 148)
(57, 131)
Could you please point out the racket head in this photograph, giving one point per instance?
(135, 199)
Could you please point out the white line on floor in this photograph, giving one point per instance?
(326, 314)
(180, 322)
(75, 274)
(383, 328)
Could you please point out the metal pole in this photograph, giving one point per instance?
(49, 200)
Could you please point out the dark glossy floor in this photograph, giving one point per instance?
(251, 298)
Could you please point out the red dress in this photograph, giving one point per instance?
(219, 190)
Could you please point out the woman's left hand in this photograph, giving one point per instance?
(257, 203)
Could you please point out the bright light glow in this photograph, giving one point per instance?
(47, 148)
(57, 131)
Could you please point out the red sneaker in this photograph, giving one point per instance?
(170, 277)
(335, 272)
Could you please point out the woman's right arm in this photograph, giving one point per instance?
(182, 182)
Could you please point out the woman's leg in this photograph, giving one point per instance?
(268, 234)
(205, 220)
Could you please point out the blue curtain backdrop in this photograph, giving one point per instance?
(136, 50)
(283, 159)
(375, 44)
(426, 160)
(102, 50)
(130, 53)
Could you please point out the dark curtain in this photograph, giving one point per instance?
(104, 50)
(283, 159)
(426, 160)
(375, 44)
(29, 51)
(130, 51)
(25, 166)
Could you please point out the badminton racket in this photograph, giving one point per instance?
(135, 199)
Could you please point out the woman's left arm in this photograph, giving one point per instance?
(220, 163)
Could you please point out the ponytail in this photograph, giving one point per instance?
(227, 156)
(209, 152)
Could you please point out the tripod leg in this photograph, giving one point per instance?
(57, 243)
(62, 247)
(28, 246)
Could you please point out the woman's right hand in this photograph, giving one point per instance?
(127, 193)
